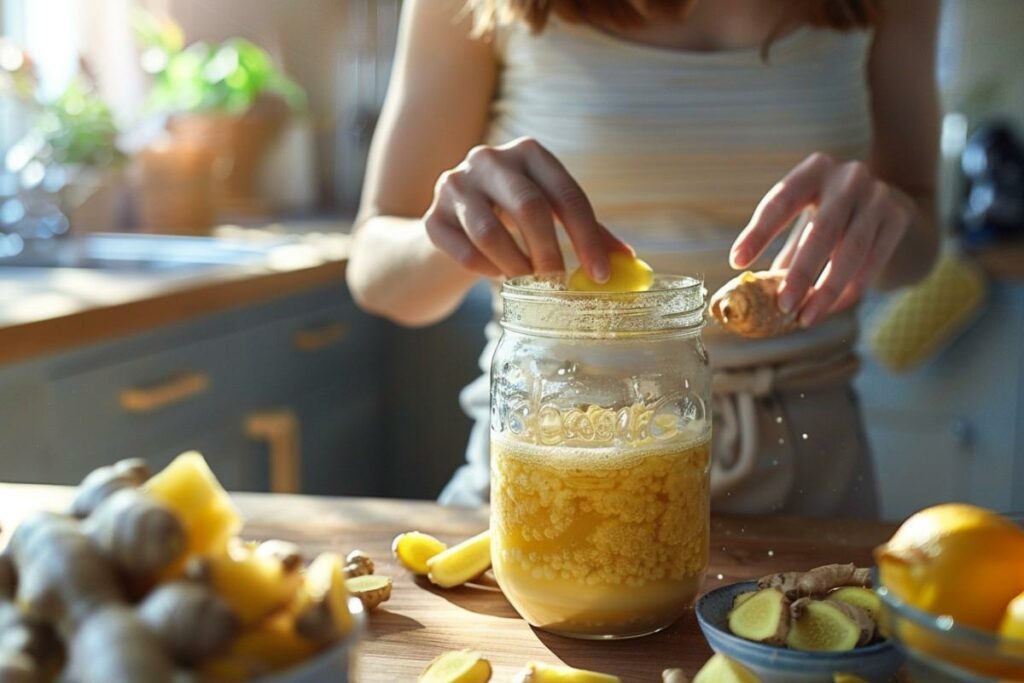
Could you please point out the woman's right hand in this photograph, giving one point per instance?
(518, 187)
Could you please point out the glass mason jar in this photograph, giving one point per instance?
(600, 454)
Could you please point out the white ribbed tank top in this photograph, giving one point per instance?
(675, 148)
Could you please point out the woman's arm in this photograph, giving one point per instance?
(875, 222)
(435, 111)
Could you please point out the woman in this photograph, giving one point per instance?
(512, 125)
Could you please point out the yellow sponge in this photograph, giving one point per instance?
(920, 321)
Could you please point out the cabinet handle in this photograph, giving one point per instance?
(318, 338)
(280, 430)
(150, 399)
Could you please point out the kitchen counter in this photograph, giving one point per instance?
(47, 310)
(420, 621)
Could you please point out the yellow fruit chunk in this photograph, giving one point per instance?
(192, 492)
(414, 548)
(546, 673)
(370, 588)
(840, 677)
(459, 666)
(865, 598)
(957, 560)
(462, 562)
(271, 646)
(721, 669)
(627, 274)
(1012, 625)
(253, 585)
(324, 589)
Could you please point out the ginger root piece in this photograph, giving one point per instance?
(192, 622)
(18, 667)
(459, 666)
(371, 589)
(414, 548)
(321, 607)
(8, 577)
(462, 562)
(674, 676)
(285, 552)
(721, 669)
(189, 488)
(358, 563)
(140, 535)
(827, 626)
(113, 644)
(763, 617)
(62, 575)
(865, 598)
(103, 481)
(817, 582)
(747, 306)
(546, 673)
(34, 639)
(254, 586)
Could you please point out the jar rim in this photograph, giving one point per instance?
(543, 304)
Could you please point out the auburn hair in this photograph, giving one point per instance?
(841, 15)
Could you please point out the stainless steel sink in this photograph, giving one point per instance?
(136, 253)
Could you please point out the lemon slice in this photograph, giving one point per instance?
(627, 274)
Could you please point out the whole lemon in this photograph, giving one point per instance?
(626, 274)
(957, 560)
(1012, 624)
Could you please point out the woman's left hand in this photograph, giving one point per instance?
(857, 223)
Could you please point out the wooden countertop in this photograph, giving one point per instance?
(420, 621)
(47, 310)
(1003, 261)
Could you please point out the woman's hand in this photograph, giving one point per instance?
(857, 224)
(518, 187)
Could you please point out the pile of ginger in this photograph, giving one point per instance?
(145, 579)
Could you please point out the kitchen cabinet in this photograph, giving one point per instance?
(310, 358)
(953, 428)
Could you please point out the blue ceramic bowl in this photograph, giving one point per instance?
(876, 663)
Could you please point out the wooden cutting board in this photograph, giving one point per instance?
(421, 621)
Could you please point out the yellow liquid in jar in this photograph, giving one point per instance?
(600, 542)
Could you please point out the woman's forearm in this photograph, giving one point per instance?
(396, 272)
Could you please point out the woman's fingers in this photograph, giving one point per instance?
(590, 240)
(779, 207)
(847, 258)
(817, 242)
(489, 235)
(449, 236)
(887, 239)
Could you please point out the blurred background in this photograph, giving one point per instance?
(177, 182)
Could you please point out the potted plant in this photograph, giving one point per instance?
(229, 98)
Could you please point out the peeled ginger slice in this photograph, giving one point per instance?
(823, 628)
(546, 673)
(461, 563)
(414, 548)
(372, 589)
(721, 669)
(626, 274)
(459, 666)
(762, 617)
(865, 598)
(253, 585)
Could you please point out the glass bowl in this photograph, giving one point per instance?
(939, 651)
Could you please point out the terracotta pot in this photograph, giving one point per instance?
(239, 144)
(174, 189)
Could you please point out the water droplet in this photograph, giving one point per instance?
(804, 436)
(781, 441)
(771, 553)
(778, 420)
(945, 622)
(802, 395)
(721, 577)
(775, 462)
